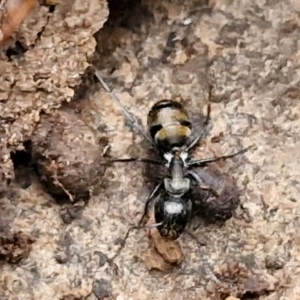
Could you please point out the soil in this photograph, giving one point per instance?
(147, 51)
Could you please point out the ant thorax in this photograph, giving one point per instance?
(176, 184)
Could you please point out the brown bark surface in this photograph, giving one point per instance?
(148, 50)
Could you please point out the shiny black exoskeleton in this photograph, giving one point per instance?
(172, 214)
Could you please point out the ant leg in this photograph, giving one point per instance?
(206, 161)
(124, 241)
(150, 198)
(247, 216)
(203, 131)
(127, 114)
(138, 227)
(144, 160)
(195, 176)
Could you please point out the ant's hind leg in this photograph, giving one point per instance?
(151, 197)
(123, 243)
(140, 225)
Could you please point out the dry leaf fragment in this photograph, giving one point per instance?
(169, 250)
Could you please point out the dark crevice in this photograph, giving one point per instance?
(17, 51)
(51, 8)
(250, 296)
(247, 295)
(123, 13)
(22, 157)
(39, 34)
(82, 91)
(22, 162)
(128, 15)
(254, 295)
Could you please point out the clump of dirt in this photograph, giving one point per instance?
(14, 247)
(215, 207)
(68, 155)
(240, 281)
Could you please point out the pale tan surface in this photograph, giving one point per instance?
(253, 68)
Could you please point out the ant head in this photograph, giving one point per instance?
(173, 215)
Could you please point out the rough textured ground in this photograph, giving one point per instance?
(249, 50)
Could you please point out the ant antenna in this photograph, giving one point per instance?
(127, 114)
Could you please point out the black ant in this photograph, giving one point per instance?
(169, 132)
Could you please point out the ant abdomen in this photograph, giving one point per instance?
(169, 125)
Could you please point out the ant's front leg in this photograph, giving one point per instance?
(204, 162)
